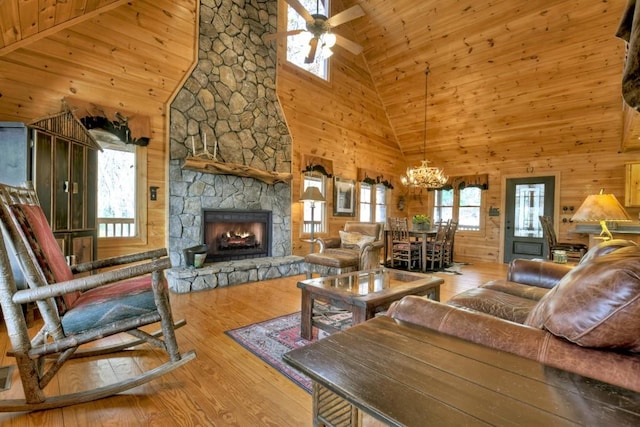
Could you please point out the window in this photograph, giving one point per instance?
(120, 192)
(298, 45)
(319, 211)
(462, 205)
(443, 206)
(373, 203)
(469, 209)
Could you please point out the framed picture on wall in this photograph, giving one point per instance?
(344, 197)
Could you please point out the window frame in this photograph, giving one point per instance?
(140, 237)
(372, 204)
(286, 40)
(455, 209)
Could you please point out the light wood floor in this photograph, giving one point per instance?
(224, 386)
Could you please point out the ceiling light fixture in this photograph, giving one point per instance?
(424, 176)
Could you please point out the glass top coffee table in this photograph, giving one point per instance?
(363, 293)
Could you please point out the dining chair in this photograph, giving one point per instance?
(405, 250)
(77, 310)
(434, 256)
(447, 256)
(574, 251)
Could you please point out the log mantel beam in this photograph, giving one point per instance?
(219, 168)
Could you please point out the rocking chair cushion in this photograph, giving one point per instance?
(107, 304)
(34, 225)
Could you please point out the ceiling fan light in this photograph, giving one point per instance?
(305, 37)
(329, 39)
(326, 52)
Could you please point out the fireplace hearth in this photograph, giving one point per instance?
(237, 234)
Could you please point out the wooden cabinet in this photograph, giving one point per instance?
(65, 177)
(632, 185)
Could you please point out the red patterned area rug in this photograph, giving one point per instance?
(270, 339)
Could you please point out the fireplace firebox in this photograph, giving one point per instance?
(237, 234)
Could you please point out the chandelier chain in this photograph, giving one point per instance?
(424, 176)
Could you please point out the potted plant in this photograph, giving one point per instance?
(421, 222)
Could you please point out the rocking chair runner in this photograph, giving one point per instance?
(76, 311)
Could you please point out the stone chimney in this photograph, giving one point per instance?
(229, 99)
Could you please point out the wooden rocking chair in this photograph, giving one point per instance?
(76, 311)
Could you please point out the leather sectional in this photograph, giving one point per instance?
(583, 319)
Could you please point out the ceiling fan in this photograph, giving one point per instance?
(319, 27)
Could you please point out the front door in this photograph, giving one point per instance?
(526, 199)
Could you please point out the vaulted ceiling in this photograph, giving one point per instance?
(483, 55)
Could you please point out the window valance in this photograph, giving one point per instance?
(460, 182)
(317, 164)
(371, 177)
(129, 127)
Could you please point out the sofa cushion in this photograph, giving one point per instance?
(518, 289)
(355, 240)
(495, 303)
(597, 304)
(542, 274)
(606, 247)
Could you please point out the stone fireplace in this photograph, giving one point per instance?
(228, 106)
(233, 234)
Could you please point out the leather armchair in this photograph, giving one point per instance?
(358, 248)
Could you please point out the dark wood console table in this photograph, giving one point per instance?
(405, 375)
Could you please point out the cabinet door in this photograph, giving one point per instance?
(61, 183)
(91, 193)
(82, 248)
(632, 185)
(43, 171)
(77, 187)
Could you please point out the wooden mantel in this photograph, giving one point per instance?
(206, 165)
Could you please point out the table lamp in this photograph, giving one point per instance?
(601, 208)
(313, 195)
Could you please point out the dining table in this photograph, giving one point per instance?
(422, 236)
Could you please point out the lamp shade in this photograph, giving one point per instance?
(312, 194)
(601, 207)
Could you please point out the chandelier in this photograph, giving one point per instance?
(424, 176)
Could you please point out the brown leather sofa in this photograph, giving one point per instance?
(357, 248)
(584, 319)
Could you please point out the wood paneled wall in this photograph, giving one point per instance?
(132, 57)
(516, 88)
(341, 120)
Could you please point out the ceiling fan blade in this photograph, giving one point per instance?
(312, 51)
(352, 47)
(295, 4)
(272, 36)
(345, 16)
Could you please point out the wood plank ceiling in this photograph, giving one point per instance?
(126, 54)
(483, 56)
(498, 70)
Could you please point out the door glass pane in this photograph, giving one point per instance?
(528, 207)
